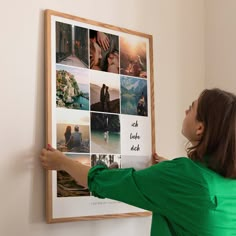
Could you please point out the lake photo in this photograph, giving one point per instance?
(134, 96)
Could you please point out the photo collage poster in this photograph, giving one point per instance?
(100, 99)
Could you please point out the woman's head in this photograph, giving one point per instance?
(215, 127)
(111, 63)
(68, 129)
(192, 128)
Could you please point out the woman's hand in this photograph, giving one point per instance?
(157, 159)
(52, 159)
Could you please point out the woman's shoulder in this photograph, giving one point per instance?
(182, 166)
(177, 161)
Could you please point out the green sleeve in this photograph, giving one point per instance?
(117, 184)
(172, 188)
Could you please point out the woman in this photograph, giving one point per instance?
(67, 136)
(107, 100)
(188, 196)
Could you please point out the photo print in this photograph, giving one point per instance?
(104, 51)
(98, 80)
(105, 133)
(73, 131)
(111, 160)
(72, 87)
(71, 45)
(104, 92)
(66, 185)
(133, 96)
(137, 162)
(133, 57)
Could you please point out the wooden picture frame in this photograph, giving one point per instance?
(99, 106)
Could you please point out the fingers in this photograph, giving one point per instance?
(51, 159)
(44, 151)
(105, 44)
(157, 159)
(155, 156)
(154, 159)
(103, 40)
(50, 148)
(43, 157)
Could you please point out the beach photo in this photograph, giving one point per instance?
(72, 131)
(72, 87)
(66, 185)
(134, 96)
(71, 45)
(104, 92)
(133, 57)
(111, 160)
(105, 133)
(104, 51)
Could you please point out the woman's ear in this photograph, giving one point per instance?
(200, 129)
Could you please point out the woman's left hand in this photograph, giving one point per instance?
(52, 159)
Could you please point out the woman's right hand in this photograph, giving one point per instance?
(157, 159)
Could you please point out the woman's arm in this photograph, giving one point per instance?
(53, 159)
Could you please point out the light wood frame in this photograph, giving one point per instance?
(50, 65)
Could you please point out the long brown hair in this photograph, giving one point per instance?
(68, 129)
(217, 147)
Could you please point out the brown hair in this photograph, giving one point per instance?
(217, 147)
(68, 129)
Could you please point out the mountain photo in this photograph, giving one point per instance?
(133, 96)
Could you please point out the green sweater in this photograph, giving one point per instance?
(185, 197)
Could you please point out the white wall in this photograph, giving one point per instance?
(221, 44)
(178, 30)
